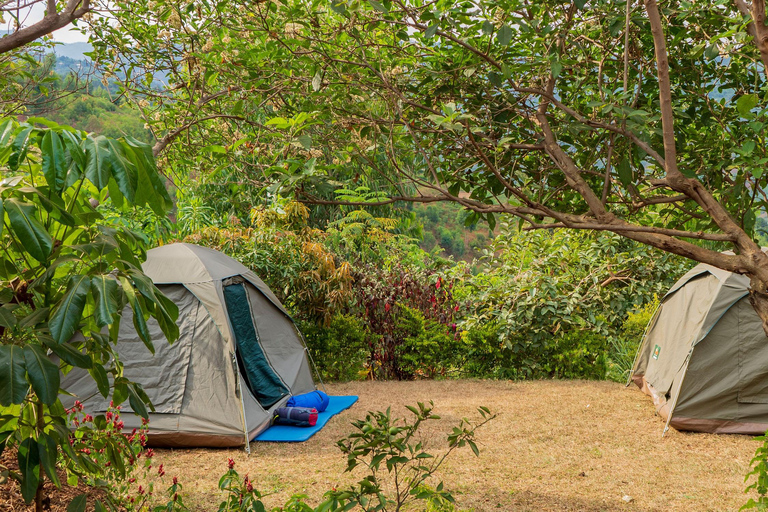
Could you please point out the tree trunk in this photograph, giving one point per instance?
(39, 495)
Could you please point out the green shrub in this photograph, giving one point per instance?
(428, 348)
(623, 348)
(340, 350)
(758, 470)
(541, 284)
(577, 355)
(482, 355)
(573, 355)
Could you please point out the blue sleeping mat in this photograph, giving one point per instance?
(286, 434)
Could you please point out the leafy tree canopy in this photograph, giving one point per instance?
(642, 119)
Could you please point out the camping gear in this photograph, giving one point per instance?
(285, 434)
(316, 399)
(295, 416)
(239, 355)
(704, 358)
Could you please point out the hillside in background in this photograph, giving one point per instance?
(445, 228)
(74, 51)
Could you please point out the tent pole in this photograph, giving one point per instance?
(239, 393)
(679, 390)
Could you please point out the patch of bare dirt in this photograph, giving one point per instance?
(56, 500)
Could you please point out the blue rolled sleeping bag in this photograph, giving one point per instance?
(312, 400)
(295, 417)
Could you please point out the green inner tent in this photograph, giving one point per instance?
(263, 382)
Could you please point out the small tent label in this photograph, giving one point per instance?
(656, 351)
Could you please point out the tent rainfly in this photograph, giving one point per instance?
(238, 357)
(704, 358)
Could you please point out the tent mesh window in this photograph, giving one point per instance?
(265, 385)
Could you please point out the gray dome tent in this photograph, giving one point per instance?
(704, 358)
(238, 357)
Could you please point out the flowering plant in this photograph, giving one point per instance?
(240, 494)
(120, 464)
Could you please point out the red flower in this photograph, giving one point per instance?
(175, 481)
(160, 470)
(150, 453)
(141, 490)
(231, 463)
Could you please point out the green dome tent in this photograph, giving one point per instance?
(704, 358)
(238, 357)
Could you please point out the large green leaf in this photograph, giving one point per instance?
(4, 435)
(29, 466)
(48, 453)
(138, 400)
(625, 172)
(78, 503)
(123, 171)
(138, 313)
(13, 384)
(120, 390)
(19, 148)
(34, 319)
(54, 161)
(7, 319)
(54, 204)
(166, 311)
(66, 319)
(746, 103)
(99, 375)
(104, 288)
(30, 233)
(70, 355)
(151, 189)
(43, 374)
(141, 324)
(504, 35)
(97, 161)
(6, 129)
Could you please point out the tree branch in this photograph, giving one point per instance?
(51, 22)
(756, 27)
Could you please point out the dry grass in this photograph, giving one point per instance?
(556, 445)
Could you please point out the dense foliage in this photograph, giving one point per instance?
(65, 270)
(641, 119)
(556, 299)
